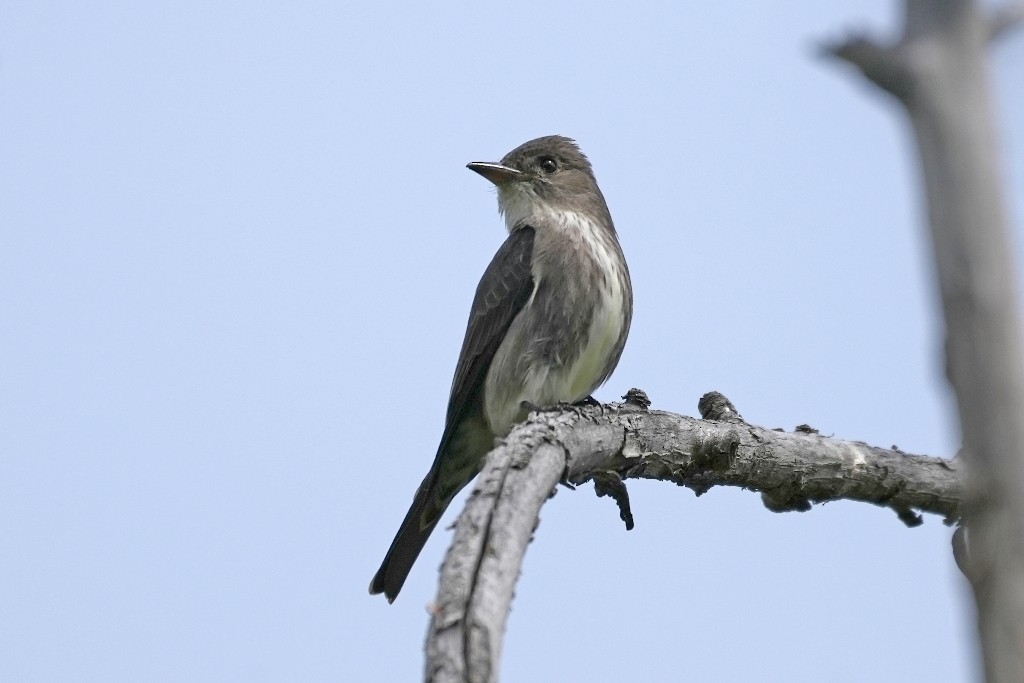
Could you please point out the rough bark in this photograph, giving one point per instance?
(611, 444)
(937, 71)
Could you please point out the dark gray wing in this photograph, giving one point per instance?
(504, 289)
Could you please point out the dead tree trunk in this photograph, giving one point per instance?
(937, 71)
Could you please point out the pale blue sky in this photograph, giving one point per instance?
(237, 249)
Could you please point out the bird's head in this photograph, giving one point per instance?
(545, 176)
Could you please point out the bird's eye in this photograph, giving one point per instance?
(548, 165)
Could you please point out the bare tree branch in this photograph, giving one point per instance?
(484, 560)
(623, 441)
(938, 72)
(1004, 18)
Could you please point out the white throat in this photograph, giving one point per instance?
(518, 202)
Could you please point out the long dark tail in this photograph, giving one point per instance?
(408, 543)
(463, 446)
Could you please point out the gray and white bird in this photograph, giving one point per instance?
(548, 325)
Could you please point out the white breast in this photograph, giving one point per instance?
(585, 374)
(547, 385)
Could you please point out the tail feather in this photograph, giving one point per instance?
(458, 459)
(408, 543)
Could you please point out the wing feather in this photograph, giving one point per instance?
(504, 289)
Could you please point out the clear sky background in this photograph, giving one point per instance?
(238, 246)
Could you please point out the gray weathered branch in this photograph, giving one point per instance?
(937, 70)
(623, 441)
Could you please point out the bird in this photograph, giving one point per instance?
(547, 325)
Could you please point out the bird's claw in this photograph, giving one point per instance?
(563, 406)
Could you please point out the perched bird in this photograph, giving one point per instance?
(547, 326)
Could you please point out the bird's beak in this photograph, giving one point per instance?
(496, 173)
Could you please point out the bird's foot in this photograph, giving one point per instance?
(563, 406)
(560, 407)
(531, 407)
(588, 402)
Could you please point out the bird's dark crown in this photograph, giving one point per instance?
(555, 177)
(547, 156)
